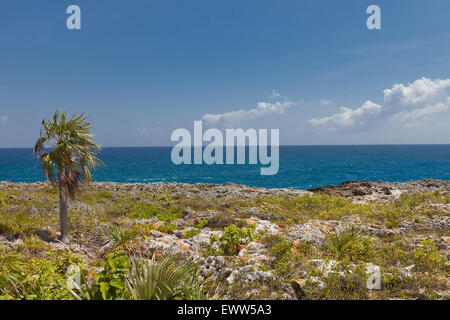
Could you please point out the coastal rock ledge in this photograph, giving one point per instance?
(321, 243)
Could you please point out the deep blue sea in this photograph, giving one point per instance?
(301, 167)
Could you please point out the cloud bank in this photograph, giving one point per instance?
(3, 119)
(262, 109)
(349, 117)
(409, 104)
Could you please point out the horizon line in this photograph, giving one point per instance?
(284, 145)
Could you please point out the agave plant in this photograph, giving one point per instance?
(339, 241)
(159, 280)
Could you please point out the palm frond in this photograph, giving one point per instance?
(67, 151)
(122, 239)
(157, 280)
(339, 241)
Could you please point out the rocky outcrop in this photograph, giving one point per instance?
(206, 209)
(381, 191)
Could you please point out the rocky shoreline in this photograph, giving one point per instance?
(288, 258)
(382, 191)
(357, 190)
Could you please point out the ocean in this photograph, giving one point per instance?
(301, 167)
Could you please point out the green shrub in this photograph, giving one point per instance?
(41, 286)
(284, 260)
(362, 249)
(392, 254)
(18, 223)
(427, 257)
(234, 239)
(144, 211)
(36, 278)
(223, 220)
(167, 228)
(201, 224)
(281, 249)
(191, 233)
(166, 210)
(109, 283)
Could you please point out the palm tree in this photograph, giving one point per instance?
(67, 153)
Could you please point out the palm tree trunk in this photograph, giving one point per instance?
(63, 213)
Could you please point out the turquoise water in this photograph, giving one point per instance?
(301, 167)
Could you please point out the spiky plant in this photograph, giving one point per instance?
(122, 239)
(193, 289)
(339, 241)
(67, 153)
(11, 267)
(158, 280)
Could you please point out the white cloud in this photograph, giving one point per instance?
(417, 116)
(274, 94)
(149, 131)
(349, 117)
(262, 109)
(409, 104)
(3, 119)
(419, 93)
(325, 102)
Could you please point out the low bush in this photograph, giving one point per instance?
(234, 239)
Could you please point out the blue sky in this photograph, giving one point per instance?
(140, 69)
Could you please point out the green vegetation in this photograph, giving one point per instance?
(285, 261)
(36, 278)
(109, 283)
(191, 233)
(163, 280)
(340, 241)
(122, 239)
(234, 239)
(294, 210)
(112, 230)
(428, 259)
